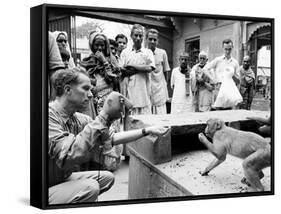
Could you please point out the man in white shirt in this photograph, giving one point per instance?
(159, 91)
(122, 42)
(137, 64)
(182, 100)
(221, 63)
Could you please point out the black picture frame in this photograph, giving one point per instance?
(39, 99)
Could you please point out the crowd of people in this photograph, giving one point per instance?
(88, 101)
(139, 74)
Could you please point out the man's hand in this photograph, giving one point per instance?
(107, 145)
(130, 67)
(107, 149)
(157, 130)
(128, 70)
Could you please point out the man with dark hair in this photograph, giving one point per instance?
(113, 47)
(247, 83)
(221, 66)
(159, 91)
(74, 138)
(182, 100)
(122, 42)
(136, 64)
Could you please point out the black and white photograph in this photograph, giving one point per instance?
(151, 106)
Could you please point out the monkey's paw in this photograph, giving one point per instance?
(204, 173)
(202, 137)
(244, 181)
(243, 189)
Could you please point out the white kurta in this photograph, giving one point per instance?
(159, 91)
(139, 85)
(180, 102)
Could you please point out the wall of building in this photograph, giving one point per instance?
(211, 34)
(165, 42)
(188, 30)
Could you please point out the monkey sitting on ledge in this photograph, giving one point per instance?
(251, 147)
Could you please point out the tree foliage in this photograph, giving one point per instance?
(84, 29)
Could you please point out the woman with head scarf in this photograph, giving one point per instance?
(101, 66)
(63, 44)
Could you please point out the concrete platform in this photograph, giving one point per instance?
(196, 118)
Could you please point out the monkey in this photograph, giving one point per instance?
(251, 147)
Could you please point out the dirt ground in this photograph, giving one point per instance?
(119, 191)
(260, 103)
